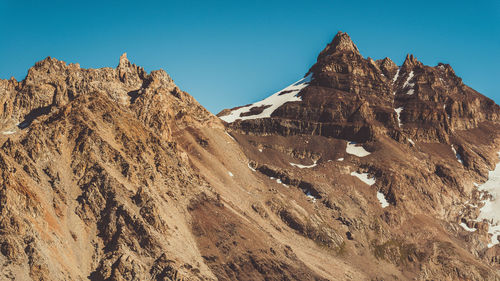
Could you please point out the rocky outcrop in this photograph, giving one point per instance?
(97, 179)
(349, 92)
(424, 139)
(365, 171)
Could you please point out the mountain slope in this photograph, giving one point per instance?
(117, 174)
(414, 137)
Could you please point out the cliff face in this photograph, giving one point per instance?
(117, 174)
(424, 141)
(354, 97)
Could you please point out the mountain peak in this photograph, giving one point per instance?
(124, 62)
(388, 63)
(410, 61)
(341, 43)
(154, 173)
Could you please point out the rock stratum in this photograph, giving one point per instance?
(363, 170)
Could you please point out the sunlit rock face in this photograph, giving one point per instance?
(413, 136)
(361, 170)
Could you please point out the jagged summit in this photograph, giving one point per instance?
(411, 61)
(340, 43)
(374, 97)
(124, 60)
(388, 63)
(418, 136)
(362, 170)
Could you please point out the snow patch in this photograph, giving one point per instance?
(364, 177)
(340, 159)
(398, 112)
(230, 136)
(230, 174)
(280, 182)
(250, 167)
(395, 76)
(8, 132)
(260, 149)
(459, 158)
(289, 94)
(353, 149)
(491, 208)
(407, 82)
(411, 141)
(410, 92)
(309, 195)
(382, 200)
(467, 228)
(304, 166)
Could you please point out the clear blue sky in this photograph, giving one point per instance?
(230, 53)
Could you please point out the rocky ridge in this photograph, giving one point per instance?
(413, 122)
(117, 174)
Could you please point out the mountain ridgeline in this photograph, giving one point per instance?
(362, 170)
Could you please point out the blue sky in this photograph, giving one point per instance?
(230, 53)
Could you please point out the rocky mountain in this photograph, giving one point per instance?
(362, 170)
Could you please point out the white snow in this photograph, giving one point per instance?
(304, 166)
(467, 228)
(340, 159)
(230, 174)
(280, 182)
(395, 76)
(459, 158)
(229, 135)
(407, 82)
(260, 149)
(411, 141)
(250, 167)
(8, 132)
(491, 209)
(398, 112)
(364, 177)
(353, 149)
(382, 200)
(289, 94)
(309, 195)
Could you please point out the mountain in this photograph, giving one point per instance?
(362, 170)
(413, 136)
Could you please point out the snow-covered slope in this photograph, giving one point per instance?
(491, 208)
(270, 104)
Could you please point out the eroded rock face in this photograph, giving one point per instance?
(424, 140)
(87, 175)
(349, 91)
(117, 174)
